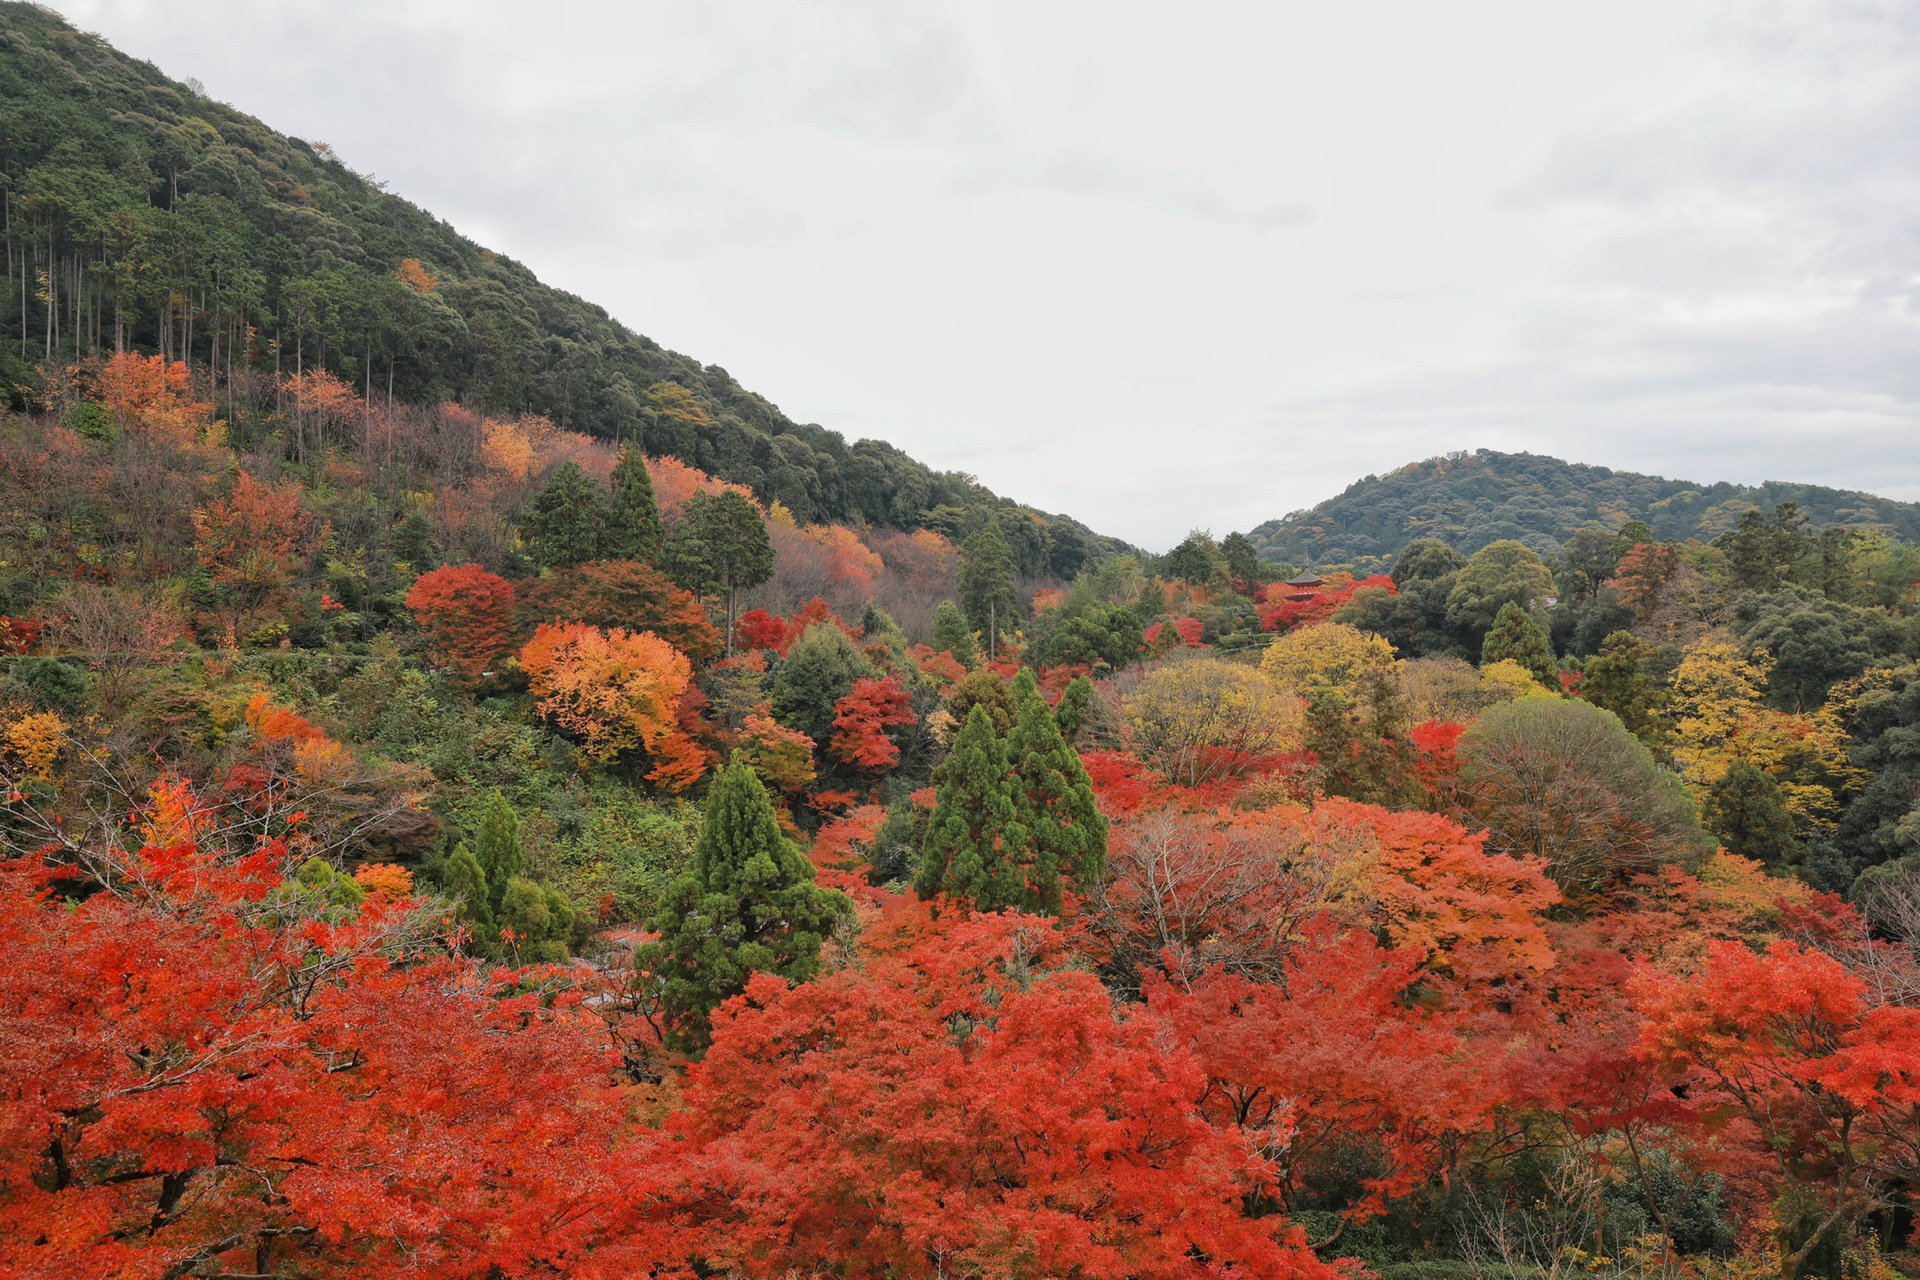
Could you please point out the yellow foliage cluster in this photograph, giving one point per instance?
(1199, 719)
(35, 741)
(1331, 655)
(1719, 718)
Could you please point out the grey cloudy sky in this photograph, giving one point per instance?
(1164, 266)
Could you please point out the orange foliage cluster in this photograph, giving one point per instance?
(152, 396)
(861, 720)
(616, 691)
(468, 613)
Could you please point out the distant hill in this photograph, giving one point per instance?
(1471, 499)
(139, 210)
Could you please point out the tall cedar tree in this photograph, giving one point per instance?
(1744, 810)
(463, 877)
(987, 592)
(633, 531)
(951, 633)
(1517, 636)
(1075, 711)
(747, 904)
(496, 847)
(976, 848)
(1055, 794)
(721, 546)
(1616, 680)
(564, 523)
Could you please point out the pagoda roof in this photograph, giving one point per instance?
(1307, 579)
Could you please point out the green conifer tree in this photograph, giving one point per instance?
(633, 531)
(496, 847)
(951, 633)
(562, 526)
(987, 593)
(975, 843)
(747, 903)
(1516, 635)
(1065, 828)
(1744, 810)
(719, 547)
(1616, 679)
(1075, 710)
(467, 883)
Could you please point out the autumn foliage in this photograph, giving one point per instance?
(468, 616)
(616, 691)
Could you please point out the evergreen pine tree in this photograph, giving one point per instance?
(747, 903)
(974, 840)
(1516, 635)
(1616, 680)
(987, 594)
(1243, 560)
(496, 847)
(951, 633)
(467, 882)
(719, 546)
(1075, 710)
(1066, 829)
(563, 524)
(633, 531)
(1744, 810)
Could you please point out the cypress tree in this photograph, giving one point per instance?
(987, 593)
(496, 847)
(465, 880)
(1075, 711)
(975, 841)
(1744, 810)
(633, 531)
(1616, 679)
(1516, 635)
(1055, 796)
(564, 523)
(747, 903)
(950, 632)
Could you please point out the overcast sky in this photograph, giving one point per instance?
(1166, 266)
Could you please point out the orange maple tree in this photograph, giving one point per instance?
(468, 616)
(861, 719)
(250, 543)
(982, 1124)
(616, 691)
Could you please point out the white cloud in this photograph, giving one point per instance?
(1165, 267)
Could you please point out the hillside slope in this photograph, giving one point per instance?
(1470, 500)
(139, 211)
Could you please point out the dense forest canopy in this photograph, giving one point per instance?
(140, 212)
(1468, 500)
(447, 832)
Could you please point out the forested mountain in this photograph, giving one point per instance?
(141, 213)
(1469, 500)
(436, 842)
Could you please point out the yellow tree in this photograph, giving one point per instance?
(1330, 655)
(1203, 719)
(1719, 718)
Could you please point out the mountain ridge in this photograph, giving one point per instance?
(1471, 499)
(171, 222)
